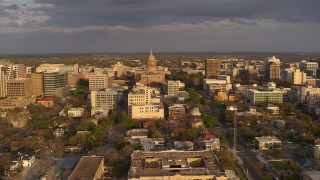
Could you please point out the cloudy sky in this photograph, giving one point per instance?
(62, 26)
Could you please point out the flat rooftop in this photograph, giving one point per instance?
(267, 139)
(86, 168)
(173, 162)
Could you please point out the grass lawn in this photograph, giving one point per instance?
(279, 165)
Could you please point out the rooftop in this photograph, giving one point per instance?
(86, 168)
(173, 162)
(267, 139)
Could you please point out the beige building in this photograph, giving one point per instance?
(212, 68)
(37, 84)
(172, 88)
(268, 142)
(20, 87)
(223, 83)
(103, 101)
(75, 112)
(147, 111)
(175, 165)
(12, 103)
(52, 81)
(151, 74)
(99, 81)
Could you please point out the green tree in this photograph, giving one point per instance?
(194, 96)
(210, 121)
(126, 121)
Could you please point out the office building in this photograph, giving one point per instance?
(305, 94)
(171, 88)
(258, 96)
(3, 81)
(222, 83)
(58, 68)
(37, 84)
(272, 72)
(212, 68)
(309, 67)
(99, 81)
(295, 76)
(19, 87)
(173, 164)
(52, 81)
(103, 101)
(147, 111)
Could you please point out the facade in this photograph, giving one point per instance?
(268, 142)
(46, 102)
(147, 111)
(75, 112)
(212, 68)
(309, 67)
(210, 142)
(177, 114)
(172, 88)
(19, 87)
(272, 71)
(163, 165)
(257, 96)
(89, 168)
(104, 100)
(37, 84)
(305, 94)
(99, 81)
(58, 68)
(53, 81)
(211, 85)
(295, 76)
(3, 81)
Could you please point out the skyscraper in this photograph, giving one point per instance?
(53, 81)
(3, 81)
(37, 84)
(272, 71)
(212, 68)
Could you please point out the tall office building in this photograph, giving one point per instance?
(3, 81)
(212, 68)
(52, 81)
(309, 67)
(37, 84)
(99, 81)
(19, 87)
(272, 71)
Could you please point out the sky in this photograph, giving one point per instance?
(88, 26)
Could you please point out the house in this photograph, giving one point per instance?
(273, 108)
(28, 160)
(75, 112)
(210, 142)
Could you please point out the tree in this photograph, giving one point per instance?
(210, 121)
(155, 134)
(194, 95)
(126, 121)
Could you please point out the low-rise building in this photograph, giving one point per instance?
(47, 101)
(75, 112)
(273, 108)
(210, 142)
(173, 164)
(258, 96)
(147, 111)
(28, 160)
(248, 116)
(268, 142)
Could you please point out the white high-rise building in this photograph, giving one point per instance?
(309, 67)
(103, 101)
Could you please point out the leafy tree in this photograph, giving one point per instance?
(126, 121)
(83, 82)
(194, 96)
(210, 121)
(155, 134)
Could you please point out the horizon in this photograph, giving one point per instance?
(80, 26)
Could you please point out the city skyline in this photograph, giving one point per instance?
(51, 26)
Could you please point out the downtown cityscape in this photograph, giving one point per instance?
(159, 90)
